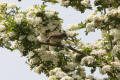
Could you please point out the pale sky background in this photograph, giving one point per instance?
(13, 67)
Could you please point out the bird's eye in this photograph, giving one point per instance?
(47, 31)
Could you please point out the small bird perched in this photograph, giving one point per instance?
(61, 36)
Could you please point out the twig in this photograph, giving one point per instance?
(62, 46)
(104, 11)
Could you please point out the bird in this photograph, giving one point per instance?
(60, 36)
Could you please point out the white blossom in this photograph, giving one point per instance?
(70, 66)
(11, 34)
(14, 44)
(3, 35)
(51, 26)
(67, 78)
(60, 74)
(89, 77)
(112, 12)
(90, 26)
(105, 18)
(37, 20)
(99, 44)
(30, 20)
(75, 76)
(64, 2)
(34, 60)
(86, 3)
(31, 38)
(90, 17)
(50, 13)
(103, 33)
(73, 26)
(98, 17)
(63, 42)
(52, 48)
(98, 52)
(11, 5)
(31, 8)
(116, 64)
(20, 15)
(31, 54)
(37, 69)
(53, 77)
(49, 56)
(106, 68)
(3, 5)
(70, 33)
(2, 27)
(22, 37)
(88, 60)
(44, 47)
(30, 14)
(19, 18)
(116, 49)
(21, 49)
(57, 69)
(54, 71)
(88, 45)
(115, 33)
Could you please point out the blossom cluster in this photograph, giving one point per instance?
(101, 21)
(25, 30)
(80, 5)
(95, 21)
(103, 4)
(108, 51)
(57, 73)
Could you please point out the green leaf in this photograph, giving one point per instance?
(1, 18)
(36, 6)
(43, 7)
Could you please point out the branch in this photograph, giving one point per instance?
(62, 46)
